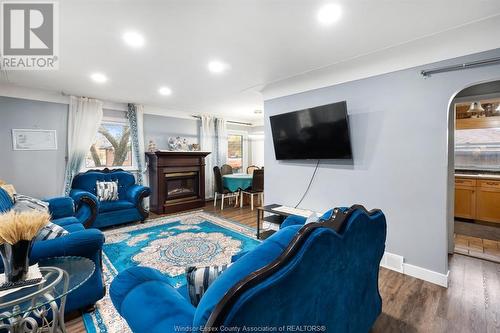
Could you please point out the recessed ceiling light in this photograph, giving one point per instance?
(99, 77)
(165, 91)
(329, 14)
(217, 67)
(133, 39)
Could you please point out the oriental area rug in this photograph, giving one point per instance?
(169, 244)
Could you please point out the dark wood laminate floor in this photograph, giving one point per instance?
(471, 303)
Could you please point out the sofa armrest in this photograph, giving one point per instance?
(61, 207)
(87, 206)
(84, 243)
(293, 220)
(137, 290)
(136, 194)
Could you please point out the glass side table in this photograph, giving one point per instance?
(36, 308)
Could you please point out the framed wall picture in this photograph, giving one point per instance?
(34, 139)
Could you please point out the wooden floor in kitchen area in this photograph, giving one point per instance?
(471, 303)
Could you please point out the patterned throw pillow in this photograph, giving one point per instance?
(23, 203)
(200, 278)
(50, 231)
(107, 191)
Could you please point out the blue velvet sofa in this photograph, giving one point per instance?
(79, 242)
(98, 214)
(322, 274)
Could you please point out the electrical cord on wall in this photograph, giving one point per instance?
(308, 186)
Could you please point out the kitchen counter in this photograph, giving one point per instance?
(478, 175)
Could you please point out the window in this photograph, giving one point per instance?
(235, 151)
(477, 149)
(111, 147)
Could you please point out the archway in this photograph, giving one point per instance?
(474, 171)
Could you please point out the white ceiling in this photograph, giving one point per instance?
(264, 41)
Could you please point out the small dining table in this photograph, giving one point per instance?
(237, 181)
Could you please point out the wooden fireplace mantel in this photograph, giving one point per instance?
(165, 166)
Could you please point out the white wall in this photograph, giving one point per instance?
(256, 137)
(399, 129)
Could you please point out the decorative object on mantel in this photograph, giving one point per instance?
(152, 146)
(17, 231)
(178, 144)
(194, 147)
(174, 143)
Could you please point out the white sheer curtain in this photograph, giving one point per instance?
(84, 119)
(207, 143)
(221, 138)
(213, 138)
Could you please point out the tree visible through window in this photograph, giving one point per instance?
(112, 147)
(235, 152)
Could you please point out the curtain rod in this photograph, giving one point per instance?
(229, 121)
(467, 65)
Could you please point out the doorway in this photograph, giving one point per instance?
(476, 150)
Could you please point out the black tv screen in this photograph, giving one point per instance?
(320, 132)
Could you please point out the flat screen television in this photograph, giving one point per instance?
(320, 132)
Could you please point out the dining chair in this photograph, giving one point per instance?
(226, 169)
(221, 190)
(256, 189)
(251, 169)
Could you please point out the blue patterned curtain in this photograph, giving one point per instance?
(135, 119)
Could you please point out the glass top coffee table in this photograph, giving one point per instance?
(41, 307)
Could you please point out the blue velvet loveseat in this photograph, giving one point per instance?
(79, 242)
(98, 214)
(322, 275)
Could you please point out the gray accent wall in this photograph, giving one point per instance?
(399, 126)
(35, 173)
(41, 173)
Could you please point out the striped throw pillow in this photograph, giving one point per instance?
(23, 203)
(107, 191)
(50, 231)
(200, 278)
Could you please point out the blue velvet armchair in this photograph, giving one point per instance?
(79, 242)
(98, 214)
(322, 274)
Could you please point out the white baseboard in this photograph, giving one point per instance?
(427, 275)
(393, 262)
(396, 263)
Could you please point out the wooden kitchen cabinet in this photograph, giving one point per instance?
(488, 201)
(477, 199)
(465, 198)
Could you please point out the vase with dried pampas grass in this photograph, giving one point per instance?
(17, 231)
